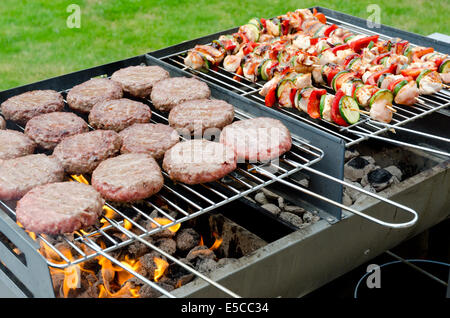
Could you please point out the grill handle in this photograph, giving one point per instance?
(402, 143)
(342, 206)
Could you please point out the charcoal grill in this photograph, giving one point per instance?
(316, 151)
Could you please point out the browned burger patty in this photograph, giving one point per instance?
(173, 91)
(82, 153)
(139, 80)
(201, 114)
(127, 178)
(199, 161)
(49, 129)
(153, 139)
(59, 208)
(119, 114)
(257, 139)
(85, 95)
(14, 144)
(20, 175)
(23, 107)
(2, 123)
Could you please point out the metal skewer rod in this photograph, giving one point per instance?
(342, 206)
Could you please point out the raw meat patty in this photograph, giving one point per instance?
(85, 95)
(59, 208)
(139, 80)
(118, 114)
(127, 178)
(2, 123)
(14, 144)
(23, 107)
(154, 139)
(82, 153)
(199, 161)
(49, 129)
(19, 175)
(198, 115)
(173, 91)
(257, 139)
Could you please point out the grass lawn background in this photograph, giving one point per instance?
(36, 44)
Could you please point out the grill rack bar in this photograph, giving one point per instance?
(351, 135)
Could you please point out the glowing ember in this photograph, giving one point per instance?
(161, 267)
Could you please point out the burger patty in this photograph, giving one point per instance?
(139, 80)
(153, 139)
(199, 161)
(82, 153)
(173, 91)
(127, 178)
(201, 114)
(59, 208)
(118, 114)
(23, 107)
(15, 144)
(49, 129)
(20, 175)
(257, 139)
(2, 123)
(84, 96)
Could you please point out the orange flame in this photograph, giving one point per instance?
(217, 243)
(80, 178)
(201, 241)
(161, 267)
(164, 221)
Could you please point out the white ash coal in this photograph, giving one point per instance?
(286, 211)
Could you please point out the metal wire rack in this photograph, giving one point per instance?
(188, 201)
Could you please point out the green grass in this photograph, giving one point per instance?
(35, 42)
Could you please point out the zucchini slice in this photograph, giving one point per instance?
(421, 75)
(281, 85)
(385, 94)
(399, 86)
(264, 67)
(445, 66)
(349, 110)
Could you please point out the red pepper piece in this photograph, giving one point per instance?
(239, 71)
(339, 48)
(332, 74)
(350, 58)
(360, 44)
(321, 17)
(417, 55)
(394, 83)
(263, 22)
(401, 46)
(271, 97)
(330, 29)
(335, 113)
(249, 47)
(412, 72)
(373, 79)
(314, 102)
(292, 96)
(285, 26)
(313, 41)
(380, 57)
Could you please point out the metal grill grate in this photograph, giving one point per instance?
(188, 201)
(364, 129)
